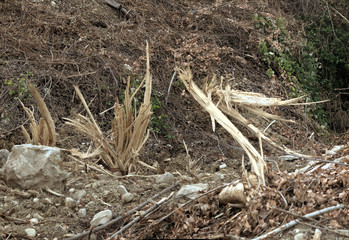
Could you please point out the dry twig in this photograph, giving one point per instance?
(294, 222)
(118, 219)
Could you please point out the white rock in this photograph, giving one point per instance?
(299, 236)
(223, 165)
(80, 194)
(127, 197)
(38, 216)
(35, 200)
(34, 221)
(82, 212)
(48, 200)
(121, 189)
(164, 178)
(190, 191)
(101, 218)
(34, 167)
(71, 190)
(127, 67)
(69, 202)
(3, 156)
(31, 232)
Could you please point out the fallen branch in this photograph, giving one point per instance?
(294, 222)
(119, 7)
(86, 233)
(153, 208)
(190, 201)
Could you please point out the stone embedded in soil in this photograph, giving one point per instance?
(31, 232)
(190, 191)
(34, 167)
(121, 189)
(164, 178)
(38, 216)
(69, 202)
(299, 236)
(127, 197)
(101, 218)
(80, 194)
(3, 156)
(34, 221)
(82, 212)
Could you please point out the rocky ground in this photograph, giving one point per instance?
(56, 44)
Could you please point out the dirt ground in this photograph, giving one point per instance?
(58, 44)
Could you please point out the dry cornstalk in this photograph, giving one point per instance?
(43, 133)
(129, 130)
(219, 102)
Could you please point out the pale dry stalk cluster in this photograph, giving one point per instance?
(221, 102)
(129, 129)
(43, 133)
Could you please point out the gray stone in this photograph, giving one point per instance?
(101, 218)
(34, 221)
(82, 212)
(3, 156)
(165, 178)
(38, 216)
(80, 194)
(31, 232)
(121, 189)
(190, 191)
(223, 165)
(299, 236)
(69, 202)
(34, 167)
(127, 197)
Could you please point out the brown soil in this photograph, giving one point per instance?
(87, 43)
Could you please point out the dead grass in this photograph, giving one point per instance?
(129, 127)
(221, 102)
(43, 133)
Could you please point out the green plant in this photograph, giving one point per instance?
(158, 122)
(18, 88)
(300, 71)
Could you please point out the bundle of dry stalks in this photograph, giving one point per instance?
(218, 101)
(43, 133)
(129, 129)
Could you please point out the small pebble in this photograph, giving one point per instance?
(299, 236)
(71, 190)
(34, 221)
(80, 194)
(223, 165)
(31, 232)
(69, 202)
(38, 216)
(127, 197)
(165, 178)
(121, 189)
(48, 200)
(35, 200)
(82, 212)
